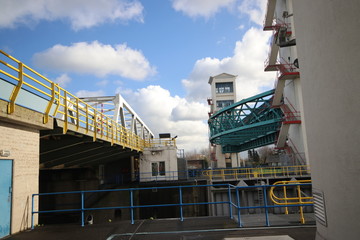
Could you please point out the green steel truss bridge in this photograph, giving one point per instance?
(247, 124)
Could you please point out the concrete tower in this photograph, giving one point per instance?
(223, 94)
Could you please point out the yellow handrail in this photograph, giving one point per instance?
(254, 173)
(299, 199)
(67, 107)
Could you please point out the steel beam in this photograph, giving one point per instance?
(247, 124)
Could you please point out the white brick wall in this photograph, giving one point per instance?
(23, 144)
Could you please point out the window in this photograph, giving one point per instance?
(225, 87)
(155, 168)
(224, 103)
(162, 168)
(158, 169)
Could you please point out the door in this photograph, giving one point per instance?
(5, 196)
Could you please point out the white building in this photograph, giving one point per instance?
(327, 97)
(159, 162)
(223, 94)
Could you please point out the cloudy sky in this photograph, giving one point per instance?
(157, 54)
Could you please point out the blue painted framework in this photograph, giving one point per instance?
(230, 188)
(6, 173)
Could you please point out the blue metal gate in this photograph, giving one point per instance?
(5, 196)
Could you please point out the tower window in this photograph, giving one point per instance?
(224, 87)
(224, 103)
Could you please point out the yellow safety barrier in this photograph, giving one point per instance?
(65, 106)
(255, 173)
(300, 198)
(156, 142)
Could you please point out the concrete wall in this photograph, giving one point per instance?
(328, 48)
(23, 144)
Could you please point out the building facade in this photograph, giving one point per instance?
(19, 167)
(159, 162)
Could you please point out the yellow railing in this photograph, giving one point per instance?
(156, 142)
(300, 197)
(63, 105)
(254, 173)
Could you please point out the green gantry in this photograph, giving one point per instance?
(247, 124)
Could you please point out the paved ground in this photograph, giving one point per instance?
(209, 228)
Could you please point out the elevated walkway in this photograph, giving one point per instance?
(74, 132)
(22, 86)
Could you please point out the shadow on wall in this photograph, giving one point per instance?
(25, 218)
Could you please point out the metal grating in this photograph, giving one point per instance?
(319, 206)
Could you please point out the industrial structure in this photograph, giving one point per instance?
(314, 64)
(52, 140)
(70, 146)
(272, 117)
(283, 59)
(311, 114)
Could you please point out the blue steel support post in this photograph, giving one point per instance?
(230, 202)
(82, 209)
(181, 204)
(132, 206)
(266, 207)
(238, 206)
(32, 211)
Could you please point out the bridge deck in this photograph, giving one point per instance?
(21, 86)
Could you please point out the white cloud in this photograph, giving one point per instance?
(165, 113)
(255, 9)
(201, 8)
(81, 13)
(63, 80)
(189, 111)
(97, 59)
(86, 93)
(247, 62)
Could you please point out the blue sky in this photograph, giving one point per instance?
(158, 54)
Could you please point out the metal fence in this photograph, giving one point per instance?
(233, 201)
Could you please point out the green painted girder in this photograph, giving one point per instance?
(258, 142)
(246, 123)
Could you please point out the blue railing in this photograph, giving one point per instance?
(233, 205)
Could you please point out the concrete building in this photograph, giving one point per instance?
(327, 96)
(159, 162)
(223, 94)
